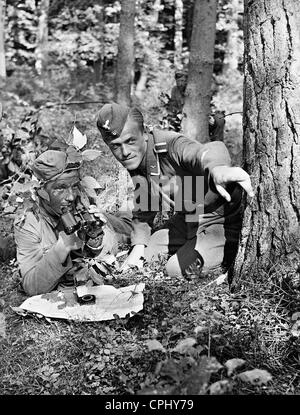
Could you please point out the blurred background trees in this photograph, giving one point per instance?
(200, 70)
(65, 51)
(2, 48)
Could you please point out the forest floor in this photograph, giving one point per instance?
(182, 342)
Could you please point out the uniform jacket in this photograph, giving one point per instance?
(171, 155)
(36, 241)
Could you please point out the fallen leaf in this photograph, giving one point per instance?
(9, 209)
(295, 330)
(296, 316)
(233, 364)
(220, 388)
(2, 326)
(155, 345)
(184, 345)
(255, 377)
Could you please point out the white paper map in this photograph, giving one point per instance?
(110, 301)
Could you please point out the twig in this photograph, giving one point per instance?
(231, 113)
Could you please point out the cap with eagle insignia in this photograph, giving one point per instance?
(112, 118)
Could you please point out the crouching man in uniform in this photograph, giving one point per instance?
(165, 160)
(45, 250)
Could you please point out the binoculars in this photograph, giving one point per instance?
(87, 224)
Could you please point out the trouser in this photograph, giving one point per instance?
(213, 242)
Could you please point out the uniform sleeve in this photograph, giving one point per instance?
(40, 270)
(196, 157)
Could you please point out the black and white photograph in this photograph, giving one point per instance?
(150, 201)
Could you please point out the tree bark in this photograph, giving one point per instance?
(2, 48)
(271, 135)
(42, 38)
(178, 38)
(125, 59)
(198, 91)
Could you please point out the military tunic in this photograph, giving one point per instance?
(212, 235)
(36, 241)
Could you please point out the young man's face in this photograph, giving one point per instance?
(63, 192)
(130, 148)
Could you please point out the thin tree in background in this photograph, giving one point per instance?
(2, 48)
(271, 134)
(178, 38)
(201, 61)
(42, 37)
(144, 66)
(125, 59)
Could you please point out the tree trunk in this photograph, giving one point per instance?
(2, 48)
(198, 91)
(271, 134)
(125, 59)
(230, 62)
(144, 65)
(42, 38)
(178, 34)
(189, 6)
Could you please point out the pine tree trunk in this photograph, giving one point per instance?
(271, 134)
(2, 48)
(178, 34)
(125, 60)
(42, 38)
(198, 91)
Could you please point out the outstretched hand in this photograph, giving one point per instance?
(223, 175)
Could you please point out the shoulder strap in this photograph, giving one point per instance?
(161, 139)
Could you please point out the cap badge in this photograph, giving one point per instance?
(106, 125)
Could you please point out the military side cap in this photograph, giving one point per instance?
(51, 164)
(111, 120)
